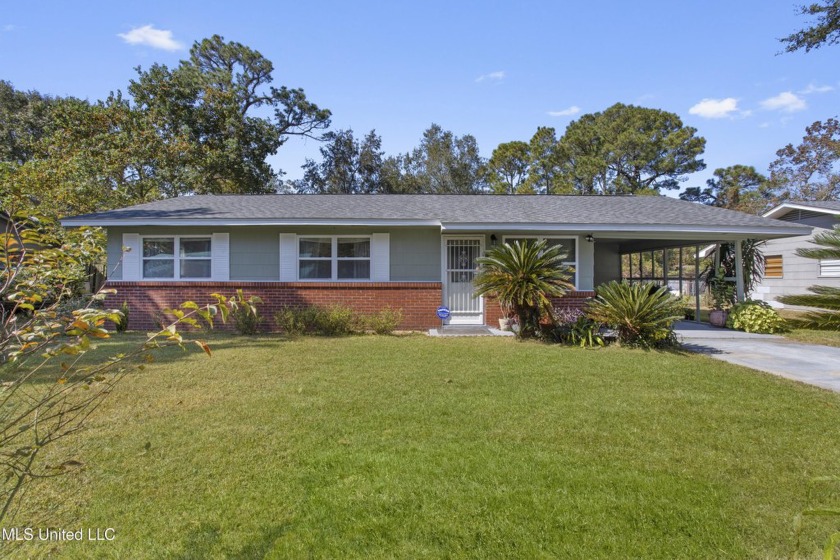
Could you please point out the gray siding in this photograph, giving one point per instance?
(607, 263)
(799, 272)
(255, 251)
(415, 255)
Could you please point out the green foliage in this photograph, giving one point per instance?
(722, 291)
(385, 321)
(642, 314)
(628, 149)
(825, 31)
(246, 317)
(122, 324)
(507, 169)
(348, 166)
(442, 164)
(522, 276)
(811, 170)
(296, 321)
(825, 298)
(755, 317)
(738, 187)
(544, 171)
(335, 320)
(212, 97)
(584, 332)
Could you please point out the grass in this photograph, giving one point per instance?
(414, 447)
(827, 338)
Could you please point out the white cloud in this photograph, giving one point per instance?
(786, 101)
(573, 110)
(149, 36)
(813, 88)
(492, 76)
(715, 108)
(8, 27)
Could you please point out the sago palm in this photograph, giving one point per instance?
(524, 277)
(821, 297)
(641, 314)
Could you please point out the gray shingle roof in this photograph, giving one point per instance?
(447, 209)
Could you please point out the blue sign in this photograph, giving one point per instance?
(443, 312)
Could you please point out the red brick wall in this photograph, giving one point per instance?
(146, 300)
(577, 300)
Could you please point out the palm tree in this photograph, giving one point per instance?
(523, 276)
(821, 297)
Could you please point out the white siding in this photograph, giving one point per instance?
(288, 257)
(131, 258)
(220, 260)
(380, 253)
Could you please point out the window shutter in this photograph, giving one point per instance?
(380, 256)
(132, 258)
(220, 257)
(288, 257)
(773, 266)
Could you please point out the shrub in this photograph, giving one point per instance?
(122, 324)
(296, 321)
(246, 317)
(755, 317)
(641, 314)
(523, 276)
(336, 320)
(385, 321)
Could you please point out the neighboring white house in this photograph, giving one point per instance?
(787, 273)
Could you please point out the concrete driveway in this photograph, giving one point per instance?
(808, 363)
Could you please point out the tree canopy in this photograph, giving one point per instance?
(628, 150)
(208, 103)
(348, 166)
(811, 170)
(737, 187)
(825, 30)
(508, 168)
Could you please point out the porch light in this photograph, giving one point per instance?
(590, 238)
(494, 240)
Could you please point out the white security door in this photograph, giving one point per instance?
(460, 267)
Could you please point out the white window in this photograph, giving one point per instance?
(830, 268)
(176, 258)
(334, 258)
(569, 245)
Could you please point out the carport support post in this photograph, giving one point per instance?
(697, 283)
(739, 271)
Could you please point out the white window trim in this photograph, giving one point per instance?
(540, 237)
(827, 262)
(177, 258)
(334, 258)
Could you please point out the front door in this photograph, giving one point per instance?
(460, 254)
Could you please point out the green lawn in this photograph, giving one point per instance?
(414, 447)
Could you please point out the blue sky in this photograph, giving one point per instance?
(496, 70)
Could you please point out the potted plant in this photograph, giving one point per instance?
(723, 294)
(506, 320)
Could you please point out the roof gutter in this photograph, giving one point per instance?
(630, 228)
(177, 222)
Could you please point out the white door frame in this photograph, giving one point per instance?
(462, 318)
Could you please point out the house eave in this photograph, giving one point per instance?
(782, 209)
